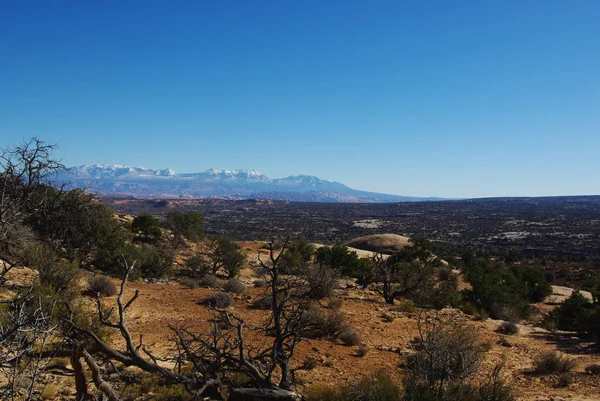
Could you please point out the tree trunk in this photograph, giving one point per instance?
(253, 394)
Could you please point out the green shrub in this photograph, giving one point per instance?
(218, 300)
(198, 266)
(146, 225)
(380, 386)
(553, 362)
(176, 392)
(326, 392)
(189, 225)
(59, 274)
(468, 309)
(155, 262)
(504, 292)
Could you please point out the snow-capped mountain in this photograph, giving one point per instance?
(114, 171)
(117, 180)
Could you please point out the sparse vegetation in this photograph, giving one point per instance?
(565, 379)
(379, 386)
(350, 338)
(218, 300)
(101, 285)
(212, 281)
(189, 282)
(404, 306)
(58, 233)
(509, 328)
(235, 286)
(330, 324)
(593, 369)
(321, 282)
(553, 362)
(362, 350)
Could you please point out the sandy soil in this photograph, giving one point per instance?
(162, 304)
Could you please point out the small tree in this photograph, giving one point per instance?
(147, 225)
(297, 257)
(408, 273)
(189, 225)
(342, 260)
(224, 254)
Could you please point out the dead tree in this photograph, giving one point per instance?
(25, 173)
(28, 334)
(213, 356)
(132, 354)
(446, 351)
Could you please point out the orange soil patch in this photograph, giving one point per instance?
(160, 305)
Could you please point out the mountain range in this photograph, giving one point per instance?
(140, 182)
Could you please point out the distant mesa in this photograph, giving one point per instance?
(145, 183)
(381, 243)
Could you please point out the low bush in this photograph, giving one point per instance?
(565, 379)
(388, 317)
(218, 300)
(362, 350)
(350, 338)
(189, 282)
(175, 392)
(330, 324)
(325, 392)
(403, 307)
(468, 309)
(263, 303)
(335, 303)
(235, 286)
(321, 282)
(211, 281)
(102, 285)
(553, 362)
(260, 283)
(593, 369)
(49, 392)
(509, 328)
(379, 386)
(309, 363)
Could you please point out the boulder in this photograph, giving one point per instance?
(382, 243)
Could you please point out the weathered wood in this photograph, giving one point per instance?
(253, 394)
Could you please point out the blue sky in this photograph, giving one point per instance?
(424, 98)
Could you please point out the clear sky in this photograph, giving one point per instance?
(424, 98)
